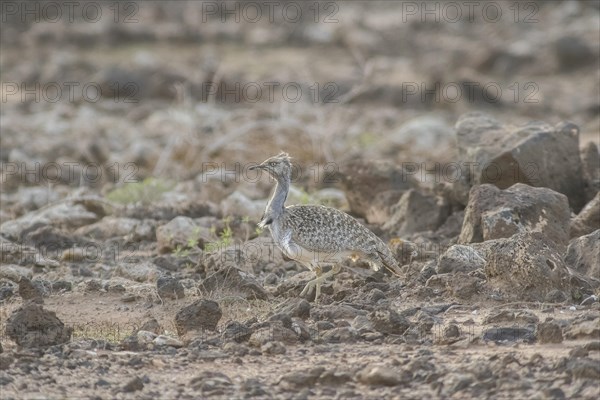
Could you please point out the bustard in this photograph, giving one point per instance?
(315, 235)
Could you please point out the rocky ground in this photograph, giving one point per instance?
(131, 264)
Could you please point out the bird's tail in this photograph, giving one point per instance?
(388, 261)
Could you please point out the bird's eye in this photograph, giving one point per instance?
(272, 163)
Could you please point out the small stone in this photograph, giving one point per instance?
(200, 315)
(133, 385)
(378, 376)
(388, 321)
(549, 332)
(163, 340)
(170, 288)
(273, 348)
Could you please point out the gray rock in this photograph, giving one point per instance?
(460, 258)
(493, 214)
(377, 375)
(572, 53)
(182, 232)
(232, 280)
(363, 178)
(239, 204)
(509, 334)
(199, 316)
(110, 227)
(416, 212)
(273, 348)
(525, 266)
(32, 326)
(170, 288)
(549, 332)
(583, 255)
(536, 154)
(61, 215)
(588, 219)
(584, 368)
(144, 271)
(388, 321)
(590, 160)
(133, 385)
(300, 378)
(15, 272)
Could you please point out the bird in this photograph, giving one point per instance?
(317, 236)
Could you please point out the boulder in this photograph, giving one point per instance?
(33, 326)
(181, 232)
(588, 219)
(199, 316)
(416, 212)
(590, 159)
(583, 255)
(493, 213)
(526, 266)
(460, 258)
(363, 179)
(536, 154)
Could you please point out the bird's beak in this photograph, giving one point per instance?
(259, 166)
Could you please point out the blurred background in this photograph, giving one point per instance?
(136, 90)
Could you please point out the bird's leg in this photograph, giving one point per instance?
(318, 281)
(309, 285)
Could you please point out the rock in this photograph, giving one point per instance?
(416, 212)
(295, 307)
(572, 53)
(15, 272)
(238, 204)
(133, 385)
(144, 271)
(584, 368)
(272, 332)
(62, 215)
(232, 280)
(181, 232)
(536, 154)
(32, 326)
(525, 266)
(493, 214)
(163, 340)
(211, 383)
(459, 258)
(388, 321)
(300, 378)
(110, 227)
(201, 315)
(590, 159)
(583, 254)
(30, 292)
(379, 376)
(363, 178)
(170, 288)
(509, 334)
(273, 348)
(588, 219)
(549, 332)
(586, 329)
(151, 325)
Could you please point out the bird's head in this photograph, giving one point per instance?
(278, 166)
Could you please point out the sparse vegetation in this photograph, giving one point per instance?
(145, 192)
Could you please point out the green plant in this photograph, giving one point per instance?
(145, 192)
(225, 237)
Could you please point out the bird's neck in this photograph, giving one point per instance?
(276, 204)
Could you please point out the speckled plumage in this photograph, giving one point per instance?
(317, 235)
